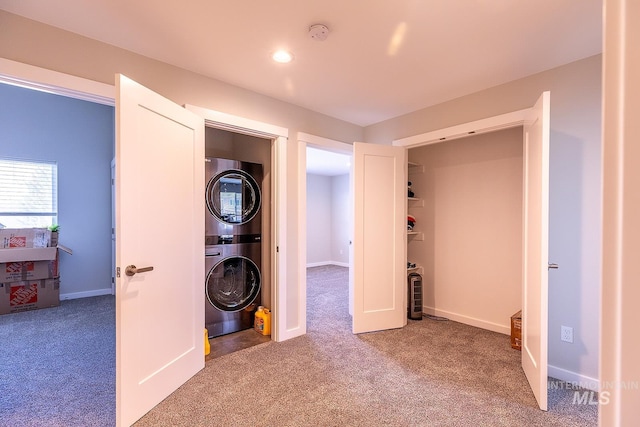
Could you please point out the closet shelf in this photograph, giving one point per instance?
(415, 168)
(416, 235)
(415, 202)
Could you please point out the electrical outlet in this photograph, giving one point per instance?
(566, 333)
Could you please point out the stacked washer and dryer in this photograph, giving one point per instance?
(233, 248)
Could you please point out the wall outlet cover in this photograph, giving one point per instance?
(566, 334)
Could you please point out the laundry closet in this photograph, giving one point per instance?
(467, 237)
(237, 229)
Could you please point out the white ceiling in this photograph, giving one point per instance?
(322, 162)
(382, 59)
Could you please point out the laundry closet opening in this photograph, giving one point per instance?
(237, 238)
(470, 217)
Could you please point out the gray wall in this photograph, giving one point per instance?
(318, 220)
(575, 194)
(79, 136)
(340, 218)
(328, 219)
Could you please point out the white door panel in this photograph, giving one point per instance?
(379, 244)
(536, 248)
(159, 224)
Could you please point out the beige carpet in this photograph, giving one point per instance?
(430, 373)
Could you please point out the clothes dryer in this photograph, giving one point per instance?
(233, 286)
(233, 199)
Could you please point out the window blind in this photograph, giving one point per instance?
(28, 193)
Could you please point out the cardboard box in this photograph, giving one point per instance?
(29, 295)
(12, 238)
(516, 331)
(19, 271)
(28, 254)
(53, 242)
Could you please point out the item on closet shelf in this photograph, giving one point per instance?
(411, 222)
(410, 193)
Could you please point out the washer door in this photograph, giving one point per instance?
(233, 197)
(233, 284)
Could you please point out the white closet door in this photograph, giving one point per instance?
(379, 243)
(535, 306)
(159, 224)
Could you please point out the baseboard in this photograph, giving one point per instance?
(471, 321)
(85, 294)
(323, 263)
(574, 378)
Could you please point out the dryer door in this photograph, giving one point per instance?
(233, 197)
(233, 284)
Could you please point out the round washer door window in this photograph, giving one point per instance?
(233, 197)
(233, 284)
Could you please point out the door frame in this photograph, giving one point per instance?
(308, 140)
(278, 136)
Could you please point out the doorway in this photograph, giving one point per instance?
(469, 219)
(328, 215)
(79, 136)
(326, 206)
(238, 149)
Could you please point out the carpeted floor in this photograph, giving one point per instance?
(58, 365)
(58, 370)
(430, 373)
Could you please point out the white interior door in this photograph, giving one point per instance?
(159, 224)
(536, 248)
(379, 243)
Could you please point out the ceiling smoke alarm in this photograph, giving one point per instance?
(319, 32)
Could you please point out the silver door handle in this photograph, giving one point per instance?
(132, 270)
(552, 265)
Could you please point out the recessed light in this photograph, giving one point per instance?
(282, 56)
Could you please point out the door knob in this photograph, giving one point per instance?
(552, 265)
(132, 270)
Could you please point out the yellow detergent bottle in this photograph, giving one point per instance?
(262, 321)
(267, 322)
(207, 346)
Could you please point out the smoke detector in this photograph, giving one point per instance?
(319, 32)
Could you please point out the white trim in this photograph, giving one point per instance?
(238, 124)
(85, 294)
(279, 136)
(575, 378)
(490, 124)
(41, 79)
(325, 143)
(280, 330)
(467, 320)
(302, 233)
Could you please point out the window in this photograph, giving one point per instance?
(28, 193)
